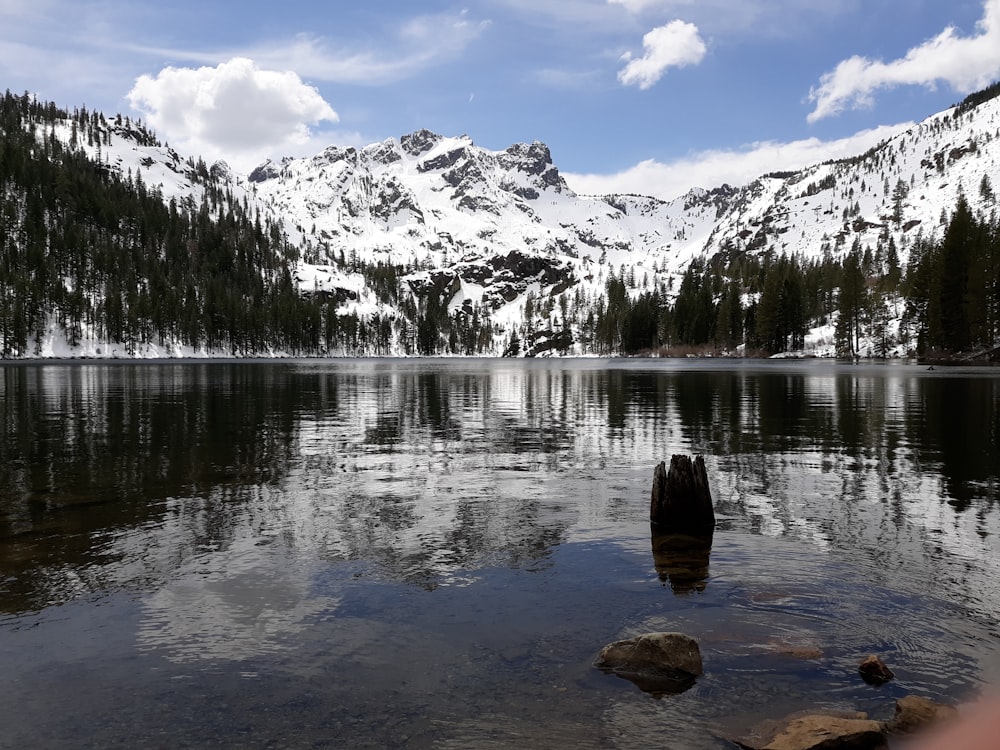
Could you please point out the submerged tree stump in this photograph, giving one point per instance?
(682, 559)
(681, 502)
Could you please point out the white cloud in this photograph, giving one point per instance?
(756, 19)
(966, 63)
(414, 46)
(15, 9)
(235, 110)
(638, 6)
(672, 46)
(713, 168)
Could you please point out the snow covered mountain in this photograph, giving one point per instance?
(490, 228)
(484, 228)
(386, 230)
(900, 188)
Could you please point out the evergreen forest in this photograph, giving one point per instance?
(946, 299)
(98, 253)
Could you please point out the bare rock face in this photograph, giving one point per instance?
(266, 171)
(420, 142)
(658, 663)
(547, 340)
(874, 671)
(221, 172)
(914, 713)
(817, 732)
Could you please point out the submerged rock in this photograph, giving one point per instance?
(817, 732)
(803, 651)
(874, 671)
(914, 713)
(658, 663)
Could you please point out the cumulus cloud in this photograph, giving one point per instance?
(672, 46)
(708, 169)
(966, 63)
(234, 111)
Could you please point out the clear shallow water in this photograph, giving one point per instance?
(430, 553)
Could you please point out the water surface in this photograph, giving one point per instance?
(429, 554)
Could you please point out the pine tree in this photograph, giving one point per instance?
(694, 314)
(899, 195)
(986, 190)
(852, 303)
(729, 318)
(781, 316)
(955, 264)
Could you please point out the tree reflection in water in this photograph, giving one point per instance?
(425, 469)
(490, 516)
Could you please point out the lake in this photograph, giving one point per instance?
(430, 553)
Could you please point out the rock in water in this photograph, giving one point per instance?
(874, 671)
(681, 502)
(658, 663)
(914, 713)
(817, 732)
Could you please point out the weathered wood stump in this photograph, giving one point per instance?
(681, 502)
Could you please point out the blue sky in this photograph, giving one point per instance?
(647, 96)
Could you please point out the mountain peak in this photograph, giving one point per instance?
(534, 159)
(388, 233)
(420, 142)
(263, 172)
(221, 171)
(386, 152)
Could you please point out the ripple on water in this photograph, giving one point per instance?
(430, 555)
(230, 605)
(792, 612)
(793, 641)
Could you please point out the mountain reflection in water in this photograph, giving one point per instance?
(430, 553)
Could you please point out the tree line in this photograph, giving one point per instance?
(100, 255)
(95, 252)
(946, 299)
(953, 297)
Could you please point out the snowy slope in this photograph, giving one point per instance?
(487, 228)
(444, 203)
(499, 230)
(934, 162)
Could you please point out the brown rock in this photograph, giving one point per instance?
(914, 712)
(797, 651)
(817, 732)
(658, 663)
(874, 671)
